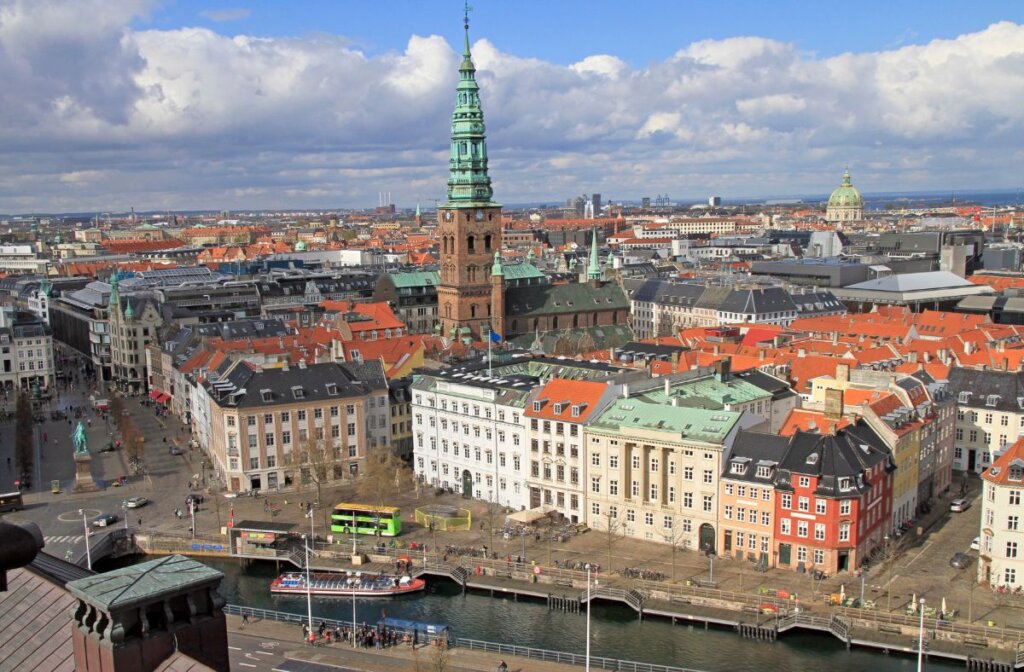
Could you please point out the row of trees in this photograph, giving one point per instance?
(24, 424)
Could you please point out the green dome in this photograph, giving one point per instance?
(846, 195)
(300, 246)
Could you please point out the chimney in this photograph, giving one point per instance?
(667, 386)
(833, 404)
(843, 373)
(723, 369)
(625, 390)
(801, 352)
(912, 357)
(133, 619)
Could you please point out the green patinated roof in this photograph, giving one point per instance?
(594, 268)
(522, 272)
(846, 194)
(142, 583)
(708, 393)
(414, 279)
(563, 299)
(688, 424)
(469, 185)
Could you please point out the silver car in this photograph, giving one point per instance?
(136, 502)
(959, 505)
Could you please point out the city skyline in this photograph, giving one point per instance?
(196, 106)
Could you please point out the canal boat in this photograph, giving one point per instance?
(337, 584)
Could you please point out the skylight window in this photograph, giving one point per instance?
(298, 392)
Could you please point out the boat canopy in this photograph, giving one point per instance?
(403, 624)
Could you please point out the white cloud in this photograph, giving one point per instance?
(97, 115)
(225, 14)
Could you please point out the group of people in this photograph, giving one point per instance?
(366, 636)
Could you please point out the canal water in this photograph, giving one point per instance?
(615, 630)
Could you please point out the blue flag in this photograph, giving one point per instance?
(495, 337)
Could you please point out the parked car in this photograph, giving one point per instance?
(960, 560)
(976, 544)
(136, 502)
(104, 519)
(959, 505)
(195, 499)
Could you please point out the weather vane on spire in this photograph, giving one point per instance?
(465, 15)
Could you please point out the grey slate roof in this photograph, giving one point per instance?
(980, 385)
(846, 454)
(239, 384)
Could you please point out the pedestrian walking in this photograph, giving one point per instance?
(245, 619)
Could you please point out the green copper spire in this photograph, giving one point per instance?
(469, 186)
(417, 208)
(531, 258)
(114, 298)
(496, 269)
(128, 312)
(594, 269)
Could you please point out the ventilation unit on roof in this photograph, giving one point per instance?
(812, 458)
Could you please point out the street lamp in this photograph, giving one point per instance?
(88, 553)
(888, 574)
(920, 640)
(711, 567)
(309, 595)
(588, 619)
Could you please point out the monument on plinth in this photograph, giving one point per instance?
(83, 462)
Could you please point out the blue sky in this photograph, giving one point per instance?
(109, 104)
(565, 31)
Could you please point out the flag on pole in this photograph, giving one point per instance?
(231, 517)
(495, 337)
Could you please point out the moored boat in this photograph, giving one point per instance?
(337, 584)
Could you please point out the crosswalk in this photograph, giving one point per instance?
(66, 539)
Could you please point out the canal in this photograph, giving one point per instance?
(615, 630)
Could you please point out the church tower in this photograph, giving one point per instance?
(469, 222)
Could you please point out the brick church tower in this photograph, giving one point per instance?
(469, 222)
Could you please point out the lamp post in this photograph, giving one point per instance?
(588, 619)
(888, 573)
(920, 640)
(88, 553)
(711, 567)
(124, 510)
(309, 594)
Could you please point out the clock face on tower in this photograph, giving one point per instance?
(479, 215)
(448, 215)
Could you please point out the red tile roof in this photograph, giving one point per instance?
(571, 392)
(999, 472)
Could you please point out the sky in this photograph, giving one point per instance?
(111, 104)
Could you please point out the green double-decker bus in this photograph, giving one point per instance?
(366, 519)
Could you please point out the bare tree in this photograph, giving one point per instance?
(384, 477)
(24, 420)
(316, 466)
(614, 532)
(675, 537)
(493, 512)
(442, 658)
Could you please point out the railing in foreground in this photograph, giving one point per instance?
(597, 662)
(568, 658)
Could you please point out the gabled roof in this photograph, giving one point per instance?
(581, 394)
(1010, 463)
(570, 298)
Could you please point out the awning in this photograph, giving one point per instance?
(163, 398)
(155, 394)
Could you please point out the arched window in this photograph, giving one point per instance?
(447, 310)
(536, 323)
(575, 321)
(555, 324)
(487, 243)
(488, 310)
(472, 310)
(470, 244)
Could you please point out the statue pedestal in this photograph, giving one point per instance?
(83, 475)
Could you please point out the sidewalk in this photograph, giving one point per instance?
(401, 658)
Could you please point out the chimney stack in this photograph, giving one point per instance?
(833, 404)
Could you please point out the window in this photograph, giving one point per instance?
(595, 484)
(709, 503)
(613, 488)
(286, 416)
(1010, 575)
(301, 416)
(635, 489)
(784, 526)
(804, 504)
(672, 494)
(844, 507)
(728, 512)
(654, 464)
(595, 459)
(654, 492)
(819, 556)
(268, 439)
(648, 518)
(688, 473)
(688, 500)
(819, 531)
(802, 528)
(595, 508)
(286, 437)
(819, 506)
(254, 463)
(741, 514)
(268, 418)
(318, 414)
(728, 488)
(613, 461)
(351, 429)
(666, 522)
(1014, 497)
(251, 420)
(805, 481)
(787, 501)
(1011, 522)
(231, 421)
(1011, 549)
(801, 554)
(844, 532)
(636, 461)
(766, 518)
(709, 476)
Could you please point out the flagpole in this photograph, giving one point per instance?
(489, 339)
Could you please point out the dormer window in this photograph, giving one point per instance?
(812, 458)
(267, 395)
(298, 392)
(557, 408)
(1016, 471)
(332, 389)
(991, 400)
(764, 471)
(738, 468)
(964, 398)
(576, 410)
(844, 483)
